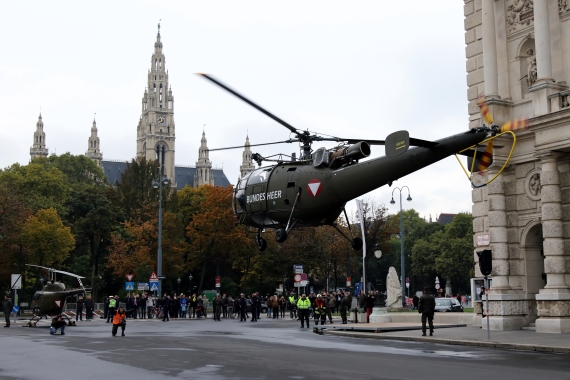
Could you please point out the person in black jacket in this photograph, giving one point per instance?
(79, 309)
(426, 307)
(254, 314)
(242, 306)
(88, 308)
(369, 305)
(165, 304)
(8, 305)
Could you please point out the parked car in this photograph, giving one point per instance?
(448, 305)
(263, 306)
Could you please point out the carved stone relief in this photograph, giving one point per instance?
(520, 14)
(563, 6)
(532, 185)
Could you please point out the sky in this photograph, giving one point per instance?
(359, 69)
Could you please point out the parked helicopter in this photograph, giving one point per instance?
(314, 190)
(52, 298)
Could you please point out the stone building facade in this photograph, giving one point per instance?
(518, 57)
(247, 165)
(93, 148)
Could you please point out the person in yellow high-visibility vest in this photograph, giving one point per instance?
(303, 305)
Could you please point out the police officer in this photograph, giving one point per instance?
(426, 307)
(293, 306)
(303, 306)
(113, 301)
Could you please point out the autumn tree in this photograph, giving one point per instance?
(48, 239)
(212, 232)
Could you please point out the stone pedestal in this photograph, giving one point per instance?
(541, 91)
(507, 311)
(554, 312)
(380, 315)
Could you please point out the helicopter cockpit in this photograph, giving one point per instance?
(256, 178)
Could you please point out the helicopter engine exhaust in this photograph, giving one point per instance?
(356, 151)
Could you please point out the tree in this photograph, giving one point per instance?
(94, 216)
(213, 232)
(46, 236)
(77, 169)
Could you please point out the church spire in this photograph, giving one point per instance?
(203, 174)
(246, 165)
(39, 148)
(93, 148)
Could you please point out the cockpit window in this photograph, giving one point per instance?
(259, 176)
(243, 181)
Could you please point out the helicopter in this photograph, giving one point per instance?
(314, 189)
(53, 296)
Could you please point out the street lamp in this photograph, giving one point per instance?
(402, 266)
(159, 180)
(190, 278)
(178, 285)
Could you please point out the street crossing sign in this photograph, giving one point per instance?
(129, 286)
(153, 277)
(154, 286)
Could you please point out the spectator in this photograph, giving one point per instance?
(79, 309)
(88, 308)
(369, 305)
(8, 305)
(415, 301)
(183, 306)
(427, 308)
(205, 304)
(224, 306)
(57, 323)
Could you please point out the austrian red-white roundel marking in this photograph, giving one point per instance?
(314, 187)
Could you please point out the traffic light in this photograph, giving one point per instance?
(485, 261)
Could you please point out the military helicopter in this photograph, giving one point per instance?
(52, 298)
(314, 189)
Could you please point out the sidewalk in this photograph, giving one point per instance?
(475, 336)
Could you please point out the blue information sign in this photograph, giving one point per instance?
(15, 309)
(154, 286)
(129, 285)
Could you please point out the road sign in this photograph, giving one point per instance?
(297, 268)
(437, 286)
(218, 281)
(153, 277)
(297, 277)
(348, 283)
(407, 280)
(16, 281)
(129, 286)
(301, 284)
(129, 277)
(154, 286)
(304, 277)
(407, 284)
(142, 286)
(162, 277)
(15, 309)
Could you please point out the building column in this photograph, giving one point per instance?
(498, 233)
(542, 41)
(490, 70)
(553, 302)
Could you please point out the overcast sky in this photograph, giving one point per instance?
(359, 69)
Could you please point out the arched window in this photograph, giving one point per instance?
(155, 64)
(154, 88)
(160, 94)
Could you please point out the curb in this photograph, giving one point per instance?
(503, 346)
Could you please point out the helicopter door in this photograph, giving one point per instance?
(291, 186)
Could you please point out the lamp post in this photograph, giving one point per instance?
(402, 266)
(178, 280)
(379, 300)
(159, 180)
(190, 278)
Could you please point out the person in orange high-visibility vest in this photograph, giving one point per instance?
(120, 319)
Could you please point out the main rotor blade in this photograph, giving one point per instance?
(283, 123)
(243, 146)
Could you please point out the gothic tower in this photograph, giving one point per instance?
(203, 174)
(93, 148)
(246, 165)
(39, 149)
(155, 132)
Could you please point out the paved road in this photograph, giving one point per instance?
(268, 349)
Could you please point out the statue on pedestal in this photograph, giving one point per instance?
(531, 67)
(394, 289)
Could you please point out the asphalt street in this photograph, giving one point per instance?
(268, 349)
